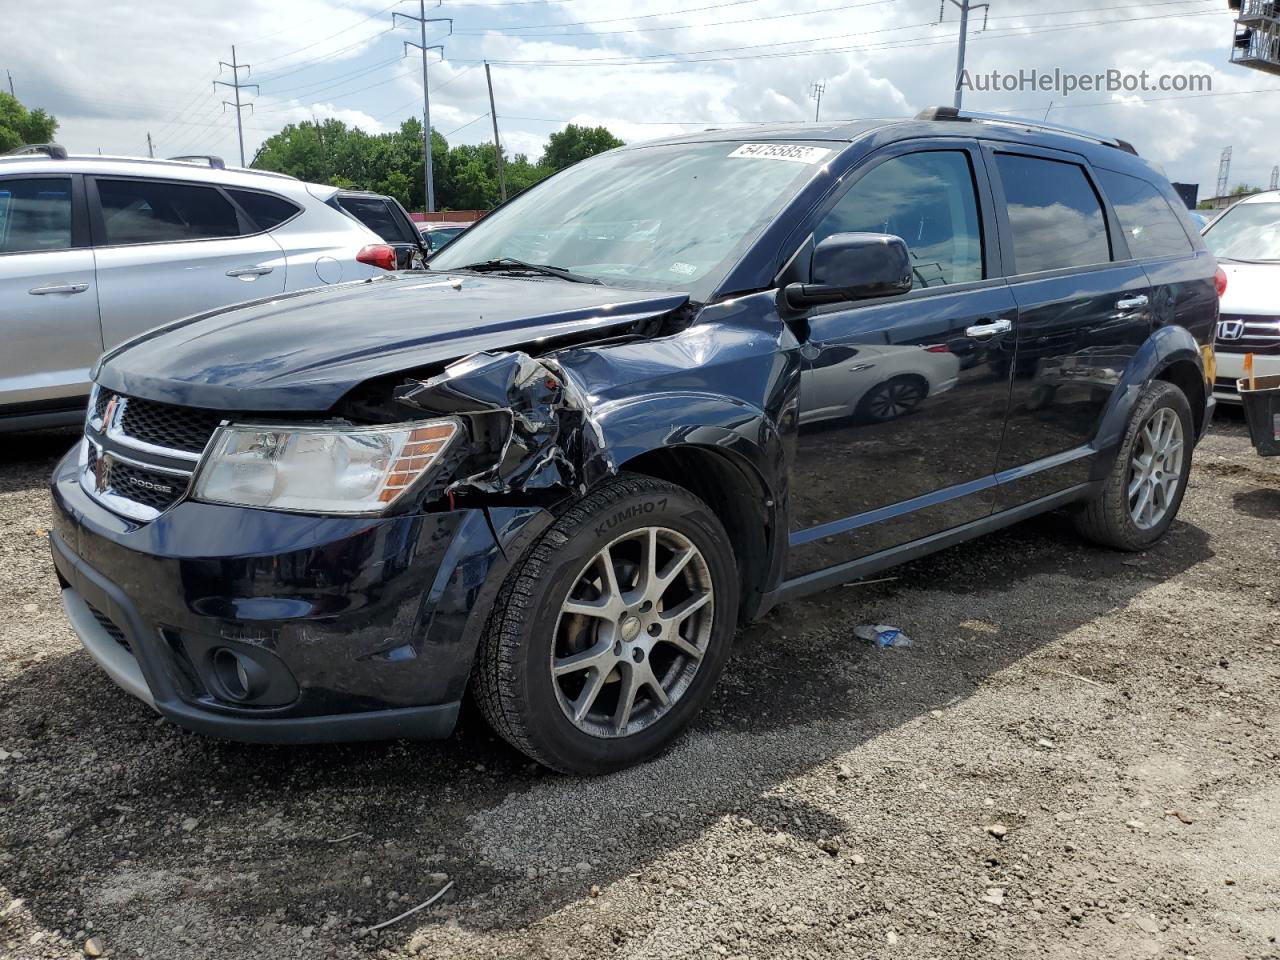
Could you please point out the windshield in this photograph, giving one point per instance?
(1248, 231)
(672, 217)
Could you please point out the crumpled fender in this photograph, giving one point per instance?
(550, 435)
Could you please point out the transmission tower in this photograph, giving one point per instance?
(815, 94)
(429, 186)
(1224, 172)
(237, 86)
(965, 7)
(1275, 178)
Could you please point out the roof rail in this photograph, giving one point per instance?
(215, 163)
(54, 151)
(951, 113)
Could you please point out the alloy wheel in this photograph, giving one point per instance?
(896, 398)
(632, 632)
(1155, 469)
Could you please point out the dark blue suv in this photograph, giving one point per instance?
(637, 405)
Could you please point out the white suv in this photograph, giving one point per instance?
(94, 250)
(1246, 241)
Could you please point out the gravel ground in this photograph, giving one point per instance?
(1077, 757)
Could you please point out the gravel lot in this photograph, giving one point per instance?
(1077, 757)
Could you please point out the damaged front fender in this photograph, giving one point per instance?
(529, 418)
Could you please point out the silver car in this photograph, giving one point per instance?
(94, 250)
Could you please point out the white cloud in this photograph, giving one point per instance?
(111, 74)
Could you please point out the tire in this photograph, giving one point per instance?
(536, 627)
(895, 397)
(1109, 520)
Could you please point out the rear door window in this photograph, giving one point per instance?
(154, 211)
(1054, 214)
(266, 209)
(1150, 225)
(377, 215)
(35, 214)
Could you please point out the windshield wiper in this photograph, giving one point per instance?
(511, 263)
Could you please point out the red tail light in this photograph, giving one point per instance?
(1220, 281)
(938, 348)
(378, 255)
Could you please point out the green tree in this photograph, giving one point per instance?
(466, 176)
(19, 126)
(566, 147)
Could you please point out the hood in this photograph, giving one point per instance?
(304, 351)
(1252, 288)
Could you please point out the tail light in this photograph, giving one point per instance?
(378, 255)
(938, 348)
(1220, 281)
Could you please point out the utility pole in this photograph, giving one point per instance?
(1224, 171)
(497, 144)
(815, 93)
(422, 20)
(11, 93)
(965, 7)
(1275, 178)
(237, 86)
(151, 151)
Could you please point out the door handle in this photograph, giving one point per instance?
(1133, 303)
(59, 288)
(988, 329)
(248, 273)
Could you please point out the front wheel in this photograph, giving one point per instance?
(1142, 493)
(611, 630)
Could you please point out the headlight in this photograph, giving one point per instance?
(321, 469)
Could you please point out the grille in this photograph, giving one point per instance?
(162, 425)
(1261, 335)
(107, 624)
(100, 399)
(159, 491)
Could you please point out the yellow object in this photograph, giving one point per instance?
(1210, 363)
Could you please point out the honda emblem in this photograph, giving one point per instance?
(1230, 329)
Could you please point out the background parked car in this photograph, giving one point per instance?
(1246, 241)
(386, 217)
(438, 235)
(94, 250)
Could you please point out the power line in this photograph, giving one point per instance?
(677, 57)
(316, 43)
(429, 193)
(643, 16)
(237, 86)
(966, 7)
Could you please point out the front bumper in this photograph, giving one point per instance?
(1231, 369)
(352, 628)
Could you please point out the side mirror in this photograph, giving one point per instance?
(854, 266)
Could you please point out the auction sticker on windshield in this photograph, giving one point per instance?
(795, 152)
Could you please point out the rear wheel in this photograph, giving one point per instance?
(611, 630)
(1145, 487)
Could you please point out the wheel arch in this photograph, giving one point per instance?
(730, 456)
(1172, 354)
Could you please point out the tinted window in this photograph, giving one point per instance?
(377, 215)
(35, 214)
(928, 200)
(436, 239)
(1054, 213)
(1150, 225)
(140, 211)
(267, 210)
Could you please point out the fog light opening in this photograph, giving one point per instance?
(239, 677)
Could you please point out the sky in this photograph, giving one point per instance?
(114, 72)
